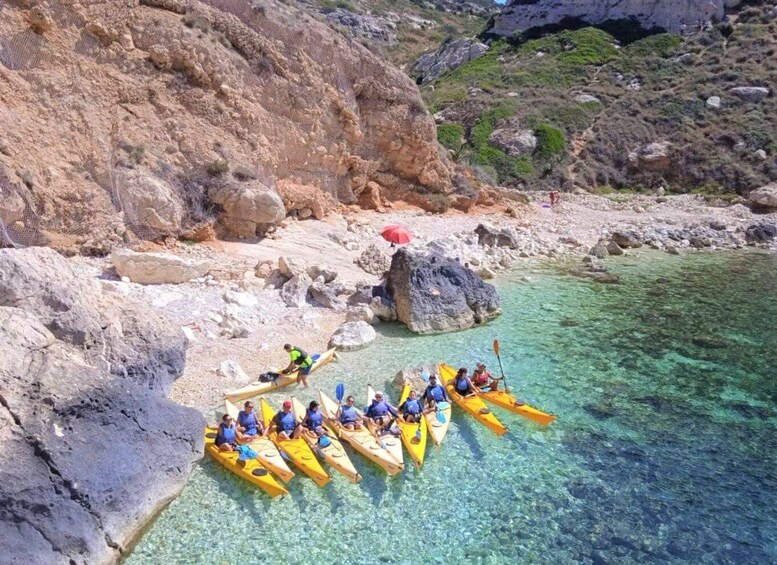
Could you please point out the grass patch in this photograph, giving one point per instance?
(550, 141)
(450, 136)
(487, 156)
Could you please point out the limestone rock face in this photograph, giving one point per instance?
(374, 260)
(656, 156)
(156, 268)
(352, 335)
(84, 419)
(750, 93)
(281, 94)
(766, 196)
(669, 15)
(435, 294)
(449, 56)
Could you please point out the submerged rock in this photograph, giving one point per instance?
(91, 447)
(435, 294)
(762, 232)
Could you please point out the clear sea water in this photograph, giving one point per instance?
(665, 450)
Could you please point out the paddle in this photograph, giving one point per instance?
(501, 370)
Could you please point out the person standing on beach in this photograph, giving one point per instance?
(300, 361)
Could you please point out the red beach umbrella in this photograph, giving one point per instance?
(396, 234)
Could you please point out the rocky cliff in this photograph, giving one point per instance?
(91, 447)
(154, 117)
(520, 16)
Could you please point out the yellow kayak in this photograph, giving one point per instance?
(508, 402)
(268, 454)
(256, 388)
(437, 429)
(250, 470)
(296, 450)
(415, 443)
(334, 454)
(388, 441)
(473, 405)
(361, 440)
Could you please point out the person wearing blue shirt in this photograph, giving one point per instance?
(379, 409)
(348, 416)
(412, 408)
(247, 422)
(434, 393)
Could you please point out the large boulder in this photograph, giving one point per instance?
(326, 297)
(352, 335)
(765, 197)
(374, 260)
(514, 141)
(762, 232)
(452, 54)
(433, 293)
(84, 419)
(526, 15)
(156, 268)
(489, 236)
(752, 94)
(295, 291)
(627, 239)
(248, 206)
(151, 206)
(657, 156)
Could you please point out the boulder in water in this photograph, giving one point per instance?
(352, 335)
(433, 293)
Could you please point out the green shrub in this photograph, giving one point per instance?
(663, 45)
(450, 136)
(550, 141)
(218, 167)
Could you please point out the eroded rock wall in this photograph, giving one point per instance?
(156, 116)
(669, 15)
(91, 447)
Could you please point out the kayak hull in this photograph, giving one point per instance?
(360, 440)
(266, 451)
(392, 443)
(508, 402)
(415, 443)
(256, 388)
(333, 454)
(472, 405)
(297, 450)
(251, 470)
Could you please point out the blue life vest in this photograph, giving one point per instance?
(226, 435)
(249, 422)
(287, 422)
(378, 409)
(314, 419)
(436, 392)
(462, 385)
(348, 415)
(412, 406)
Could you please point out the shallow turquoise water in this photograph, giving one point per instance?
(665, 450)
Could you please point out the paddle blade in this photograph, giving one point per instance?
(418, 434)
(496, 346)
(315, 357)
(425, 376)
(340, 392)
(443, 405)
(441, 417)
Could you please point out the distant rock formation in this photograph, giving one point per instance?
(451, 55)
(90, 445)
(433, 293)
(674, 16)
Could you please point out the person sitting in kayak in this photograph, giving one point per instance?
(434, 393)
(348, 416)
(411, 408)
(481, 378)
(300, 362)
(314, 420)
(247, 422)
(461, 383)
(226, 436)
(378, 410)
(285, 423)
